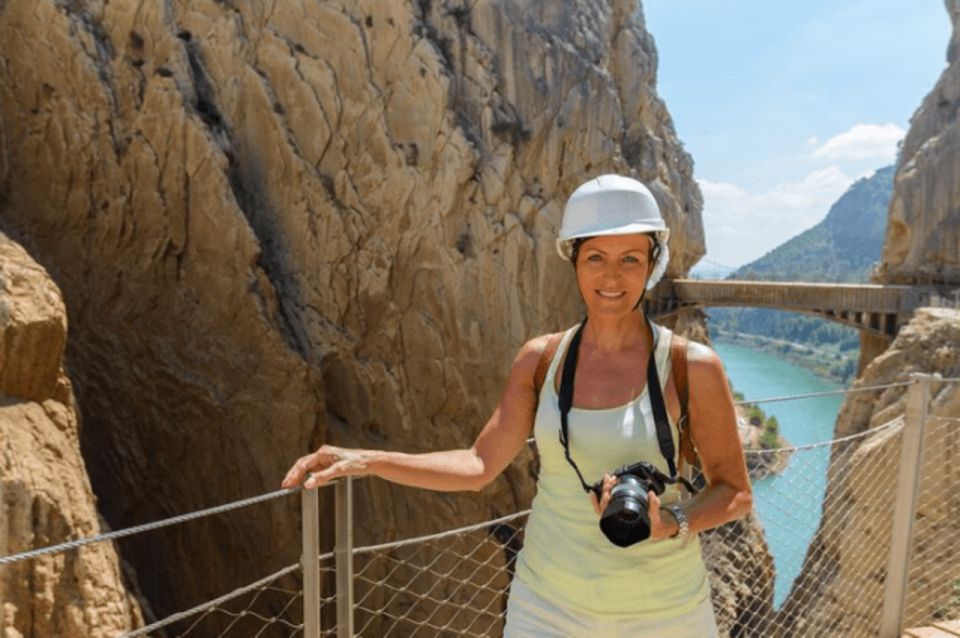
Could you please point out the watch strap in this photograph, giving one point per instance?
(683, 525)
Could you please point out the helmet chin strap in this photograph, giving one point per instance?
(640, 301)
(644, 293)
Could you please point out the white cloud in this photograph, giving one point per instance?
(812, 140)
(741, 226)
(862, 142)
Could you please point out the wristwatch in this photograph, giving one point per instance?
(683, 526)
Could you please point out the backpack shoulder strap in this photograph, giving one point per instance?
(678, 363)
(549, 350)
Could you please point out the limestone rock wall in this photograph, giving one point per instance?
(45, 495)
(923, 228)
(847, 564)
(280, 223)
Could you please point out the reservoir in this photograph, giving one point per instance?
(788, 505)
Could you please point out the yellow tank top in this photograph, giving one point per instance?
(566, 559)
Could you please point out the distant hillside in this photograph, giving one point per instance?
(843, 248)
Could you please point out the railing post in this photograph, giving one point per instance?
(904, 511)
(343, 554)
(310, 562)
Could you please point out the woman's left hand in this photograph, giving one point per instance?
(660, 527)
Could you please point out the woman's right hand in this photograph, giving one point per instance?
(324, 465)
(599, 505)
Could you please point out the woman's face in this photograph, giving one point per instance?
(612, 272)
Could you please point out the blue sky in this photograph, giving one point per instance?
(784, 104)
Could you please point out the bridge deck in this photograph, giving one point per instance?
(873, 298)
(877, 309)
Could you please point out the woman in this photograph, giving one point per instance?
(570, 579)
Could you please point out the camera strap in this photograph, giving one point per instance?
(664, 435)
(566, 398)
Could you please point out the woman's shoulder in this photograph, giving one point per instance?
(540, 342)
(530, 357)
(702, 360)
(540, 345)
(699, 354)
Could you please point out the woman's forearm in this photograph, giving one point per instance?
(715, 505)
(447, 471)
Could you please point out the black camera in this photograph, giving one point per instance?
(625, 520)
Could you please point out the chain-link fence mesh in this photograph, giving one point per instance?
(808, 516)
(263, 612)
(448, 584)
(271, 607)
(934, 577)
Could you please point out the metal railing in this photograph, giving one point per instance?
(950, 300)
(456, 581)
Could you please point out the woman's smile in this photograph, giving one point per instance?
(611, 294)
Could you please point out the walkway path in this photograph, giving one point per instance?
(946, 629)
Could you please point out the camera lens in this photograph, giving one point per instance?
(625, 520)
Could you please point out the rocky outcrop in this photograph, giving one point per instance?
(281, 223)
(847, 563)
(45, 494)
(923, 230)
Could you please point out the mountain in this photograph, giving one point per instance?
(843, 247)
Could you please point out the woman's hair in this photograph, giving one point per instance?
(575, 248)
(654, 248)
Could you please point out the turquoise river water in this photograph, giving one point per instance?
(789, 504)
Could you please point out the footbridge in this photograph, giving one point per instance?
(875, 309)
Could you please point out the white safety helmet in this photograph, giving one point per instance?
(614, 205)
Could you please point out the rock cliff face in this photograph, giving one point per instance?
(848, 561)
(923, 232)
(45, 495)
(281, 223)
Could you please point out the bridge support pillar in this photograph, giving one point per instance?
(871, 346)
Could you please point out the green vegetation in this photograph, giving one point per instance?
(765, 437)
(841, 248)
(770, 439)
(770, 428)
